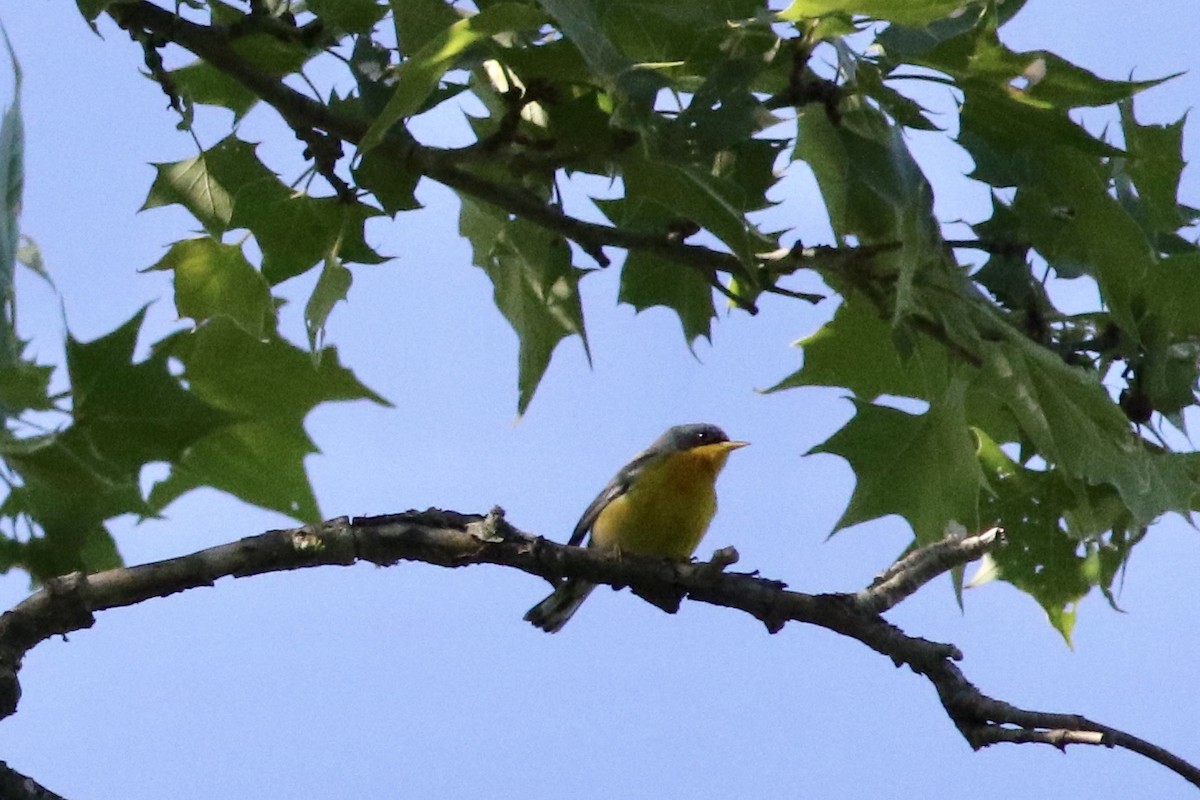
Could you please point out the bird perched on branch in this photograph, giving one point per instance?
(659, 504)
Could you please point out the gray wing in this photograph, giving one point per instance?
(618, 486)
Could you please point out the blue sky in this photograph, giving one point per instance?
(421, 682)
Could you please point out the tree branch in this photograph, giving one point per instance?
(452, 539)
(303, 113)
(15, 786)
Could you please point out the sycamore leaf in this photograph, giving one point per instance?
(88, 548)
(296, 231)
(65, 483)
(978, 58)
(332, 287)
(1045, 552)
(252, 377)
(856, 350)
(872, 187)
(25, 386)
(205, 84)
(647, 281)
(535, 286)
(392, 184)
(683, 192)
(922, 467)
(206, 184)
(259, 462)
(1068, 216)
(910, 12)
(349, 16)
(1154, 168)
(131, 413)
(271, 386)
(214, 279)
(1070, 419)
(12, 185)
(417, 22)
(420, 74)
(90, 9)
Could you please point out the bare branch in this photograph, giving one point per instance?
(452, 539)
(922, 565)
(15, 786)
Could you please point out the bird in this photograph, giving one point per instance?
(659, 504)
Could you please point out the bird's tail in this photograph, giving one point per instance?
(553, 612)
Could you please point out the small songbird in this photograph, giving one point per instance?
(659, 504)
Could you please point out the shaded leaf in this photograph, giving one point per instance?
(922, 467)
(25, 386)
(259, 462)
(271, 386)
(206, 184)
(12, 186)
(132, 413)
(205, 84)
(910, 12)
(1070, 419)
(419, 21)
(647, 281)
(350, 16)
(332, 287)
(419, 75)
(535, 286)
(214, 279)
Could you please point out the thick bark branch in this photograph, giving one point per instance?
(452, 539)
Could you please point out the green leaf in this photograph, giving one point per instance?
(205, 84)
(662, 190)
(1069, 417)
(25, 386)
(296, 231)
(94, 8)
(1040, 556)
(1004, 137)
(857, 350)
(252, 377)
(391, 182)
(922, 467)
(66, 484)
(1172, 295)
(420, 74)
(12, 185)
(206, 184)
(349, 16)
(60, 550)
(909, 12)
(214, 279)
(615, 70)
(872, 187)
(271, 385)
(977, 59)
(332, 287)
(535, 286)
(420, 21)
(131, 413)
(1154, 167)
(259, 462)
(647, 281)
(1069, 217)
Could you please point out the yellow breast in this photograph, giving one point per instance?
(667, 510)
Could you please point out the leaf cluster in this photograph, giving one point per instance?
(979, 399)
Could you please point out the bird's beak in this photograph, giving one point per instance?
(721, 448)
